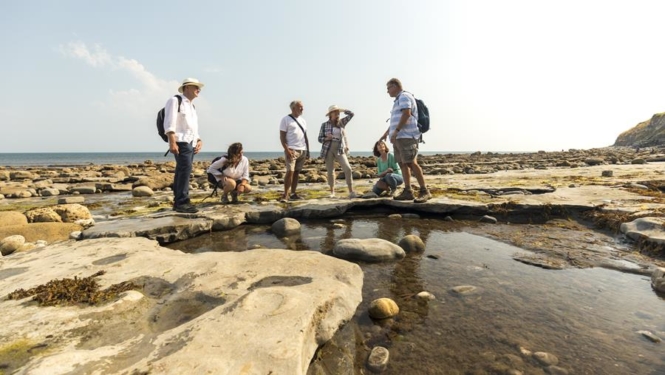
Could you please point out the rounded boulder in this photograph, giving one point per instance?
(383, 308)
(10, 244)
(12, 218)
(43, 215)
(368, 250)
(412, 244)
(285, 227)
(142, 191)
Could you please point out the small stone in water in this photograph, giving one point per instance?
(650, 336)
(525, 351)
(432, 256)
(378, 359)
(425, 296)
(464, 289)
(383, 308)
(546, 359)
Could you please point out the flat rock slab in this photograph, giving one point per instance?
(163, 229)
(254, 312)
(646, 228)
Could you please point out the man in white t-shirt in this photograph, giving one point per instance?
(293, 136)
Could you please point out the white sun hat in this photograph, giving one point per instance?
(190, 82)
(334, 107)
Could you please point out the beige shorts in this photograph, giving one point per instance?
(296, 164)
(406, 150)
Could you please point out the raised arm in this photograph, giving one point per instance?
(349, 115)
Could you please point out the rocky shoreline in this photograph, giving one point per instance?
(64, 222)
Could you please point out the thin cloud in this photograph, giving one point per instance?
(97, 57)
(149, 89)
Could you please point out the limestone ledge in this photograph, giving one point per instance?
(169, 226)
(256, 312)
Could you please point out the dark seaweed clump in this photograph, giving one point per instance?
(76, 291)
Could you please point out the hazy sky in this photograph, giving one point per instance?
(496, 75)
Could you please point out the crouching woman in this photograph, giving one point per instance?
(232, 173)
(390, 176)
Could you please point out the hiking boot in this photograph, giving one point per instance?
(225, 199)
(405, 195)
(185, 209)
(234, 197)
(295, 197)
(283, 198)
(423, 196)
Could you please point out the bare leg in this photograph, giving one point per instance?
(294, 181)
(288, 178)
(418, 173)
(406, 174)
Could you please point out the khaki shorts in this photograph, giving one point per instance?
(406, 150)
(296, 164)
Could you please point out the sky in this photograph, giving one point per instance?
(511, 75)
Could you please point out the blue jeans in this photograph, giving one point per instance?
(392, 179)
(183, 168)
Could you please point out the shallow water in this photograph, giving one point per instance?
(588, 318)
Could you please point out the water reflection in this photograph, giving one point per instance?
(588, 318)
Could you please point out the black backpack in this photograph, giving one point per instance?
(160, 120)
(211, 177)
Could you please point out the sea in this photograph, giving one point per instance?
(73, 159)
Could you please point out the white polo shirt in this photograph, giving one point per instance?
(295, 138)
(185, 124)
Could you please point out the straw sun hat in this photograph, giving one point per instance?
(190, 82)
(334, 107)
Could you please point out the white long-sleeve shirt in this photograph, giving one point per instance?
(185, 124)
(239, 172)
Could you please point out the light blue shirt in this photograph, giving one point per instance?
(403, 101)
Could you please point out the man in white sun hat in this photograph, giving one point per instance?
(181, 125)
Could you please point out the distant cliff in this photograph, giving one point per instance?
(645, 134)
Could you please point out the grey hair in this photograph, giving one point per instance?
(294, 104)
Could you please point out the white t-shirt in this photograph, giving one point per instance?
(295, 138)
(239, 172)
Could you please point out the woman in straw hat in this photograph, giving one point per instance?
(335, 147)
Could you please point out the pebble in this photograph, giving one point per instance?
(378, 359)
(546, 359)
(464, 289)
(488, 219)
(650, 336)
(425, 295)
(525, 351)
